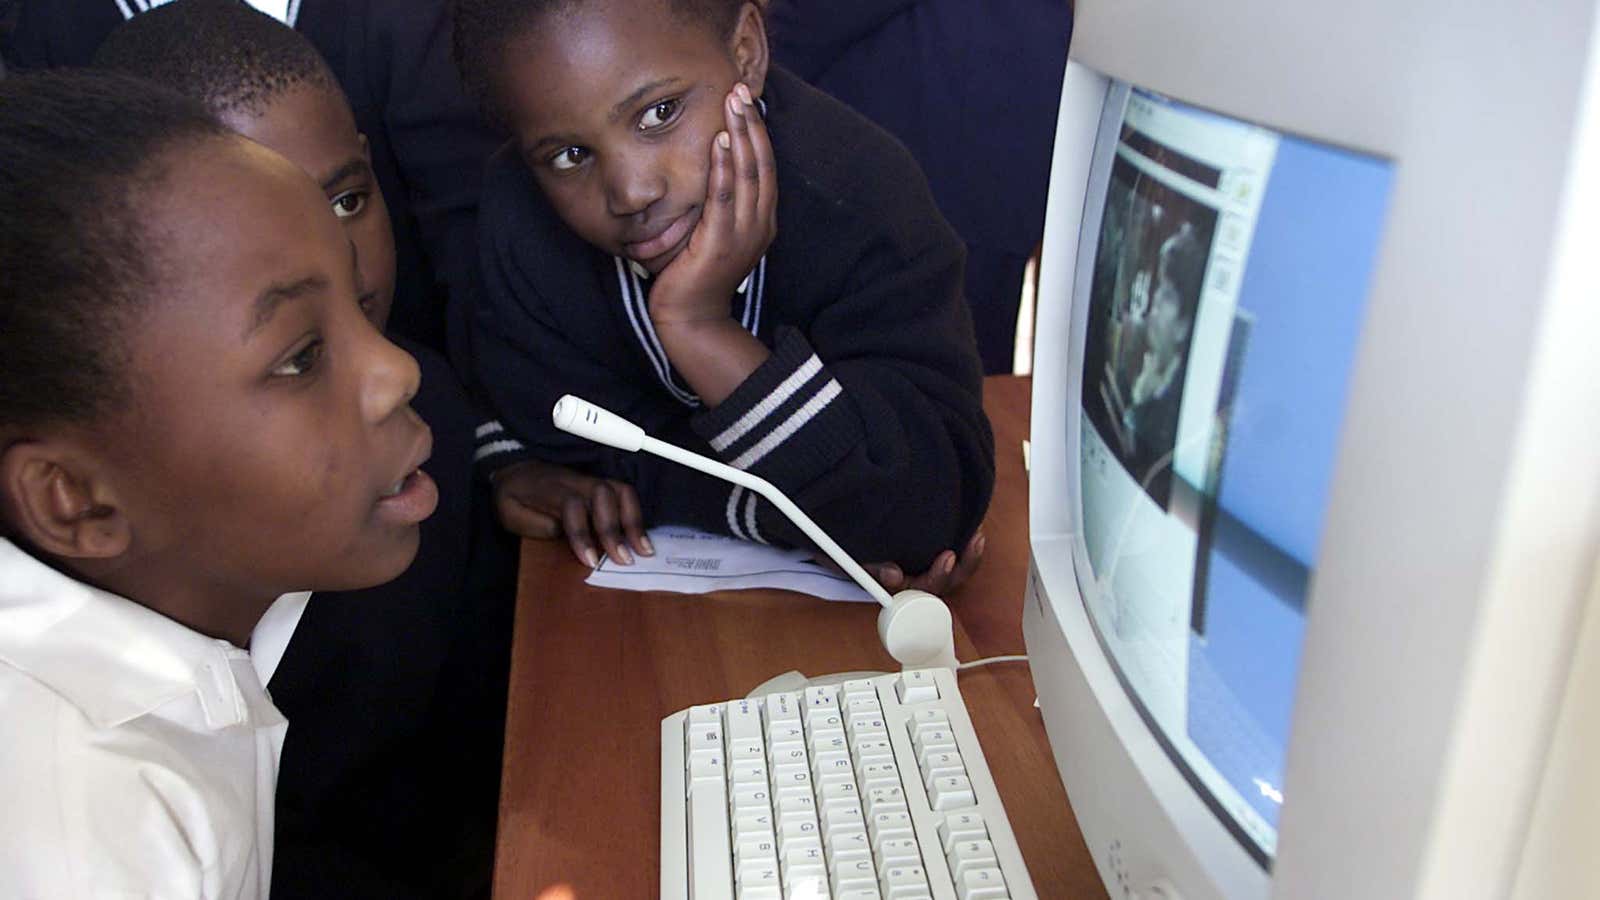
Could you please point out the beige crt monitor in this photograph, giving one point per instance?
(1315, 488)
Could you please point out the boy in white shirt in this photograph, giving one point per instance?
(195, 418)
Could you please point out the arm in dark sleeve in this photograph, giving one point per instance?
(526, 361)
(873, 420)
(808, 35)
(438, 140)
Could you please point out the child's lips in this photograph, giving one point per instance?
(416, 500)
(664, 240)
(415, 496)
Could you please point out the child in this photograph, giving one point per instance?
(426, 142)
(194, 419)
(629, 257)
(390, 775)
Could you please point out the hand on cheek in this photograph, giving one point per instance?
(737, 223)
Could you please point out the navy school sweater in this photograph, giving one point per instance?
(869, 414)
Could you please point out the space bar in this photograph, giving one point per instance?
(710, 855)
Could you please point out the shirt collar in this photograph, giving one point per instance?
(114, 659)
(643, 274)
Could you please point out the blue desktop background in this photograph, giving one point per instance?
(1304, 291)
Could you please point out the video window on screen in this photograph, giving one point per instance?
(1148, 274)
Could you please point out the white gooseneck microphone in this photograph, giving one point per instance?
(915, 626)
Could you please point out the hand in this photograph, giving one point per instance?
(539, 500)
(737, 222)
(947, 573)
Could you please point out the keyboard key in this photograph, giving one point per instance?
(849, 845)
(781, 709)
(898, 853)
(970, 855)
(962, 826)
(822, 696)
(885, 774)
(810, 883)
(754, 850)
(858, 687)
(889, 826)
(905, 882)
(940, 765)
(951, 792)
(885, 799)
(710, 869)
(981, 884)
(751, 798)
(835, 818)
(753, 827)
(854, 875)
(760, 881)
(916, 687)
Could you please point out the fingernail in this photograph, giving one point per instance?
(735, 107)
(649, 548)
(948, 565)
(744, 94)
(592, 558)
(627, 558)
(979, 544)
(723, 140)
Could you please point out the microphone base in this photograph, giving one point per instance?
(917, 630)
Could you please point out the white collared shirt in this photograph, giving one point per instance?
(138, 758)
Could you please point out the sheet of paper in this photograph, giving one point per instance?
(689, 561)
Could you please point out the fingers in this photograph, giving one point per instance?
(755, 171)
(633, 518)
(968, 562)
(605, 511)
(521, 519)
(575, 522)
(766, 167)
(717, 221)
(889, 575)
(747, 178)
(937, 578)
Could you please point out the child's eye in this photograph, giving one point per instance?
(568, 158)
(349, 203)
(660, 114)
(304, 362)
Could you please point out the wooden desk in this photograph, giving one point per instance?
(594, 671)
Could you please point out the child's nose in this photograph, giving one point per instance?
(632, 184)
(389, 379)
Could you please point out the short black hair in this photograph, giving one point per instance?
(483, 29)
(78, 152)
(223, 53)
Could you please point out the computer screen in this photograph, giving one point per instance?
(1225, 291)
(1313, 508)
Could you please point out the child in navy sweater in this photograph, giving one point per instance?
(790, 304)
(388, 786)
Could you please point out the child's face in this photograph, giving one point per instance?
(270, 422)
(614, 106)
(313, 128)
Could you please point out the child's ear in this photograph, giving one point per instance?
(54, 502)
(749, 46)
